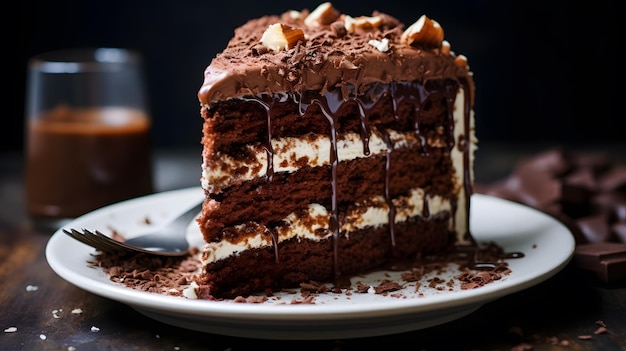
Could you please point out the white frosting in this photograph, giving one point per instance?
(457, 161)
(376, 214)
(288, 152)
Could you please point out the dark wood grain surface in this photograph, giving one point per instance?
(36, 305)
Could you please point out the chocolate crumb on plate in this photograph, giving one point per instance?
(460, 269)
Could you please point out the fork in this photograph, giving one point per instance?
(168, 240)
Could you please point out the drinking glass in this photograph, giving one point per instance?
(87, 129)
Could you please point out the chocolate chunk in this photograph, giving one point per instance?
(538, 189)
(584, 178)
(614, 179)
(597, 162)
(595, 228)
(605, 259)
(553, 162)
(613, 204)
(619, 229)
(575, 199)
(585, 191)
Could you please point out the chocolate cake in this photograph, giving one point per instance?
(332, 145)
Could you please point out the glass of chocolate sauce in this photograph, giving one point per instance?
(88, 128)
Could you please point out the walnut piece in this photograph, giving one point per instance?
(445, 48)
(323, 15)
(425, 33)
(278, 37)
(461, 61)
(364, 23)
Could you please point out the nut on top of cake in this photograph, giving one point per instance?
(322, 49)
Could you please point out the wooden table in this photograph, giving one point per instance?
(550, 316)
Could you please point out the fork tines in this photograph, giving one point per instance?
(98, 240)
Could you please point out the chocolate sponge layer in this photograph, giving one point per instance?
(259, 270)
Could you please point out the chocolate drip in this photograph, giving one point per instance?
(392, 208)
(418, 96)
(425, 207)
(275, 244)
(365, 108)
(450, 93)
(365, 133)
(413, 94)
(406, 92)
(364, 111)
(454, 206)
(329, 105)
(267, 102)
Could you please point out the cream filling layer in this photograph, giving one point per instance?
(299, 226)
(289, 152)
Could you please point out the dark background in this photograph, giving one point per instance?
(545, 71)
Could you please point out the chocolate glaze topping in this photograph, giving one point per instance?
(325, 60)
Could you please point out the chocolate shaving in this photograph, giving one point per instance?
(176, 275)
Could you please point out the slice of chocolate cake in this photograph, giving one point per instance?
(333, 145)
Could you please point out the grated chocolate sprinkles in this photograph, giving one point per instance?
(176, 276)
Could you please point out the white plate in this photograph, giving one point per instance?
(546, 243)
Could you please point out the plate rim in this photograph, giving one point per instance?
(254, 313)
